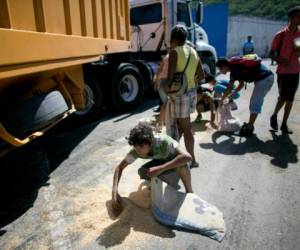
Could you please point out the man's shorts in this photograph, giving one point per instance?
(183, 106)
(287, 86)
(143, 170)
(169, 176)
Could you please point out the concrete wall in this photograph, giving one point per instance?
(262, 31)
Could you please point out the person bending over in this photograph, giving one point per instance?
(166, 154)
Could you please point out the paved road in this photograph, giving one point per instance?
(255, 182)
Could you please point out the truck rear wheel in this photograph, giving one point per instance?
(93, 101)
(127, 87)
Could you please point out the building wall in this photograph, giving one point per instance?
(262, 31)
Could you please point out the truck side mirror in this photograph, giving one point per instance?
(199, 13)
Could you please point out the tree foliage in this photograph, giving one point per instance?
(271, 9)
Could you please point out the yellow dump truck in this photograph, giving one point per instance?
(43, 47)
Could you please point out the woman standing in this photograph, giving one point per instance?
(180, 107)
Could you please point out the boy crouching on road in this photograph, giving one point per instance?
(165, 152)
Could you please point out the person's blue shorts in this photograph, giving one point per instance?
(260, 90)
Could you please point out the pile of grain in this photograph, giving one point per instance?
(90, 218)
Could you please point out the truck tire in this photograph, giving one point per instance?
(127, 87)
(147, 73)
(94, 101)
(34, 113)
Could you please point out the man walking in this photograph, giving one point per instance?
(285, 52)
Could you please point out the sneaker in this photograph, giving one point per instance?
(194, 164)
(273, 122)
(246, 130)
(284, 128)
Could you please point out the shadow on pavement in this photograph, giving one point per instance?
(60, 143)
(281, 148)
(147, 105)
(136, 216)
(22, 173)
(2, 232)
(25, 170)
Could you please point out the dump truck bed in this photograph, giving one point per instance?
(43, 45)
(47, 34)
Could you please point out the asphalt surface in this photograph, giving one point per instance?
(254, 181)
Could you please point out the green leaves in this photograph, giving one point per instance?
(272, 9)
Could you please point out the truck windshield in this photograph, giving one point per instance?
(183, 14)
(146, 14)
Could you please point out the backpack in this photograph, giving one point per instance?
(249, 61)
(250, 64)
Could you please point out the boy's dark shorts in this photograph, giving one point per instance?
(170, 176)
(287, 86)
(154, 163)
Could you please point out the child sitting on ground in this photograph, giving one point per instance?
(205, 102)
(208, 96)
(166, 153)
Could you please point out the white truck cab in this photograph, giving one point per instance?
(152, 20)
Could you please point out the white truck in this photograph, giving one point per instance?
(152, 21)
(124, 77)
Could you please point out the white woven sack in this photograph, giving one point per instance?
(188, 211)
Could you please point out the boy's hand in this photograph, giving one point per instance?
(117, 204)
(154, 171)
